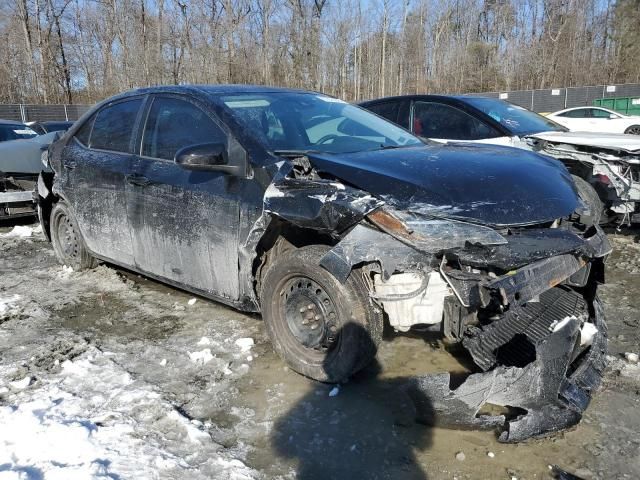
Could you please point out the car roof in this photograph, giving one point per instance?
(418, 96)
(210, 90)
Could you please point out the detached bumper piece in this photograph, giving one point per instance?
(534, 365)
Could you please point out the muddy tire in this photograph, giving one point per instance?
(322, 328)
(633, 130)
(589, 195)
(67, 241)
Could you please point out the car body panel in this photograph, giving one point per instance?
(495, 225)
(481, 184)
(610, 162)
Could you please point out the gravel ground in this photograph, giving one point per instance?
(105, 374)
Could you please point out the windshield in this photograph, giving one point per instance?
(15, 132)
(516, 119)
(301, 122)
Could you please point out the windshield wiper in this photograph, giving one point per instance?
(294, 153)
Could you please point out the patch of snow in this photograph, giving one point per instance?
(204, 341)
(587, 332)
(245, 344)
(631, 357)
(163, 362)
(20, 384)
(21, 231)
(201, 357)
(7, 305)
(192, 301)
(334, 391)
(93, 420)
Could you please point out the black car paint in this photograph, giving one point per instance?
(206, 231)
(476, 183)
(461, 102)
(146, 227)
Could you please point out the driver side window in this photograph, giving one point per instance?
(173, 124)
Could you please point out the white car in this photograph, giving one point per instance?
(596, 119)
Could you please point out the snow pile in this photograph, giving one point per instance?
(93, 420)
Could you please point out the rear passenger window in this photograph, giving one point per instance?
(388, 110)
(437, 120)
(82, 135)
(174, 124)
(113, 126)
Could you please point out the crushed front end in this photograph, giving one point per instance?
(613, 172)
(521, 301)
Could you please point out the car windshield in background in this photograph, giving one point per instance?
(57, 126)
(15, 132)
(298, 122)
(518, 120)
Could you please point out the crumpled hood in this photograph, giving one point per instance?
(614, 141)
(483, 184)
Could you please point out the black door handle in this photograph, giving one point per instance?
(69, 165)
(138, 180)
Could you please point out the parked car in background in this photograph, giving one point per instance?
(596, 119)
(42, 128)
(330, 221)
(610, 163)
(20, 165)
(12, 130)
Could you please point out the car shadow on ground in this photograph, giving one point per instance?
(367, 429)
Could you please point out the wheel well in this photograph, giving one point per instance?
(279, 237)
(45, 205)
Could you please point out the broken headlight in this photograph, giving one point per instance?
(427, 232)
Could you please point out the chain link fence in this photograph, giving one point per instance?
(553, 99)
(41, 113)
(541, 101)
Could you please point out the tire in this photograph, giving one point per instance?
(589, 195)
(633, 130)
(67, 241)
(348, 326)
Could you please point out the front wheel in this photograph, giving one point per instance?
(67, 241)
(322, 328)
(633, 130)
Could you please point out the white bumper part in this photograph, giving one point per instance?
(425, 308)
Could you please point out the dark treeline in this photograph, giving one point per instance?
(79, 51)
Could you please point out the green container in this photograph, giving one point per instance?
(625, 105)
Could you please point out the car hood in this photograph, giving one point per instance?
(613, 141)
(24, 155)
(485, 184)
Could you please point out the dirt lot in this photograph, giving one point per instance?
(104, 374)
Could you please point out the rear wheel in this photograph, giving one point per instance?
(322, 328)
(633, 130)
(67, 241)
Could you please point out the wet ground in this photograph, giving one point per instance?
(215, 406)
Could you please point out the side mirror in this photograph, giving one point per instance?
(612, 116)
(204, 156)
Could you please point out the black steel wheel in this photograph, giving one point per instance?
(322, 328)
(67, 241)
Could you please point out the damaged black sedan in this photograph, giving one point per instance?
(331, 221)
